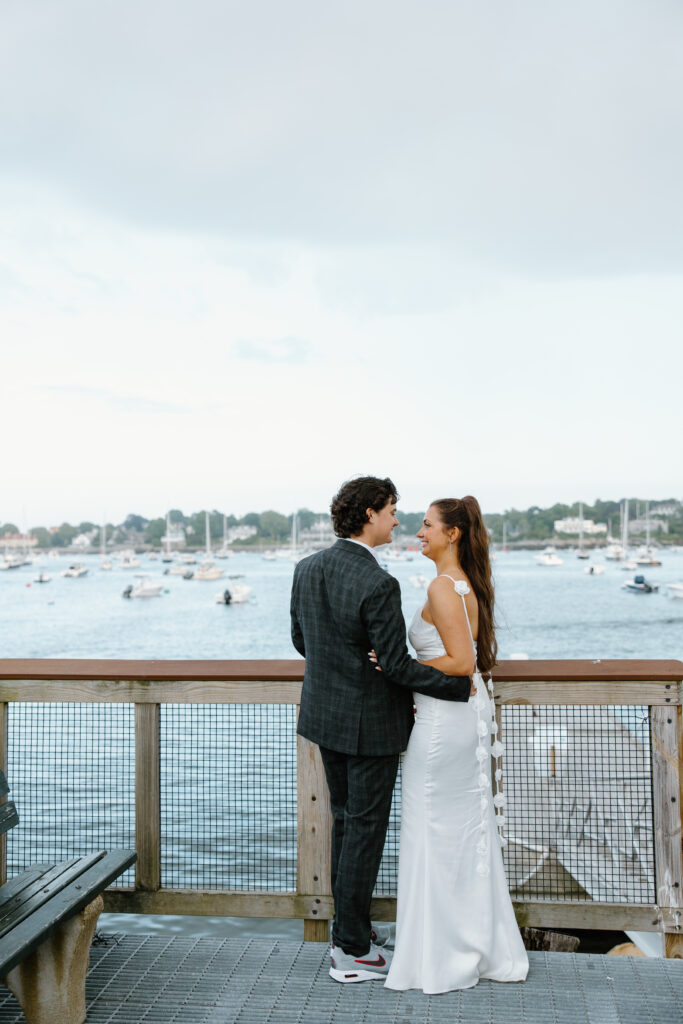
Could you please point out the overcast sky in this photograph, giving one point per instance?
(249, 250)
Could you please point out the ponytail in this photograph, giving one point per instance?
(473, 553)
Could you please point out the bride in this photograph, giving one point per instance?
(455, 923)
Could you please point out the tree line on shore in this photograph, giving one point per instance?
(530, 525)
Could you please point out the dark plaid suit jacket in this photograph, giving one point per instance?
(344, 605)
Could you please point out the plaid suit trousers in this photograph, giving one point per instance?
(360, 797)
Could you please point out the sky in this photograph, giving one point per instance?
(250, 250)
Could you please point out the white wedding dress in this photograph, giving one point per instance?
(455, 923)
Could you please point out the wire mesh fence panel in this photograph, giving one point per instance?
(71, 770)
(228, 796)
(578, 783)
(387, 878)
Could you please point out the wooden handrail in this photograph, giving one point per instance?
(292, 670)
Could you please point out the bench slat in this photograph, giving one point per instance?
(29, 933)
(16, 885)
(8, 817)
(43, 889)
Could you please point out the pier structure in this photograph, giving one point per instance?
(197, 765)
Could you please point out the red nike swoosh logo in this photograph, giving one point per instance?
(379, 962)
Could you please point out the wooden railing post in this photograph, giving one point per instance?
(665, 731)
(314, 839)
(147, 797)
(4, 720)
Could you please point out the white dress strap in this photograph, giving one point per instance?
(461, 588)
(488, 746)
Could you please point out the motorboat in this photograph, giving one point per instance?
(208, 571)
(11, 562)
(594, 570)
(675, 590)
(179, 569)
(129, 561)
(42, 577)
(639, 585)
(144, 588)
(237, 593)
(420, 582)
(397, 555)
(549, 559)
(75, 571)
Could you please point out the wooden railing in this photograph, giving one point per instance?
(149, 684)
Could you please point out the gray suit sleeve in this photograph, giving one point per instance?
(297, 634)
(383, 619)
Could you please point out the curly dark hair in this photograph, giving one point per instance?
(354, 497)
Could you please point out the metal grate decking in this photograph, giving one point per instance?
(189, 980)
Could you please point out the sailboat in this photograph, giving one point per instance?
(581, 553)
(166, 550)
(225, 551)
(207, 570)
(645, 556)
(105, 563)
(617, 552)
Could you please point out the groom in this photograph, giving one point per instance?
(343, 606)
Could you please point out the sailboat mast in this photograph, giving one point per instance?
(647, 524)
(207, 530)
(624, 534)
(580, 526)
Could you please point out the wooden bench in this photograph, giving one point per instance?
(48, 916)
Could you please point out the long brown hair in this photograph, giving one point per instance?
(473, 552)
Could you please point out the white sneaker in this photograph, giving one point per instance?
(349, 969)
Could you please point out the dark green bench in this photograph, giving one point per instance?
(48, 916)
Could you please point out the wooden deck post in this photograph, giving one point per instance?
(147, 797)
(313, 878)
(665, 731)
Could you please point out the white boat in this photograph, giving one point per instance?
(615, 553)
(549, 559)
(11, 562)
(144, 588)
(208, 571)
(42, 577)
(396, 555)
(236, 593)
(419, 581)
(188, 559)
(179, 569)
(53, 553)
(269, 556)
(128, 560)
(675, 590)
(74, 571)
(106, 565)
(594, 570)
(629, 566)
(646, 555)
(639, 585)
